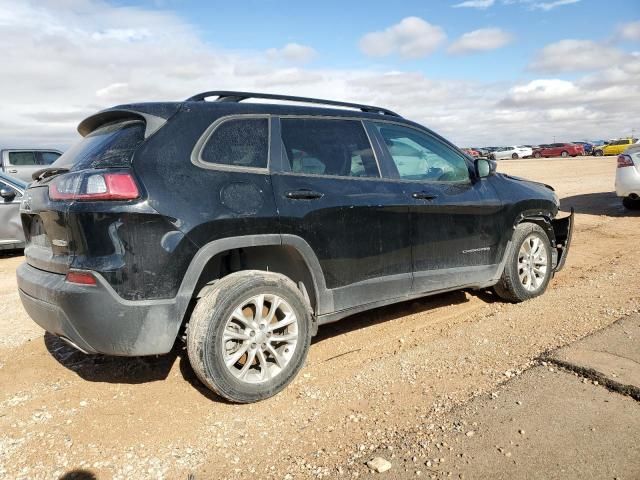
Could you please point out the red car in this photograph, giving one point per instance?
(558, 150)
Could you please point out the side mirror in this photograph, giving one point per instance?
(485, 168)
(8, 194)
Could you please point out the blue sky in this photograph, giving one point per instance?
(333, 28)
(484, 72)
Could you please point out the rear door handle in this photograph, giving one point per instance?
(13, 170)
(423, 196)
(304, 194)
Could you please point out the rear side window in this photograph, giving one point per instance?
(239, 142)
(111, 145)
(22, 158)
(47, 158)
(328, 147)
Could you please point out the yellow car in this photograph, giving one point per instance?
(614, 147)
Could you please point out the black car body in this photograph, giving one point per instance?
(312, 193)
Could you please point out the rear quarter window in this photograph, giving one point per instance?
(238, 142)
(111, 145)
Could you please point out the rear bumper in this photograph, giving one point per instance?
(627, 181)
(94, 318)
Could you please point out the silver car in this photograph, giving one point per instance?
(11, 192)
(22, 163)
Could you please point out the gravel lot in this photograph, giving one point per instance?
(370, 380)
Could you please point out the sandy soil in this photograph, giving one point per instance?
(368, 381)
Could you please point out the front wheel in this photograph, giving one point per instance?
(564, 154)
(528, 269)
(515, 156)
(537, 155)
(248, 337)
(631, 203)
(599, 153)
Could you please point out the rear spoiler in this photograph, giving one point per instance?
(153, 122)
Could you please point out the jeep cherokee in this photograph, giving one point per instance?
(251, 224)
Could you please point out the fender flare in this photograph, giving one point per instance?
(215, 247)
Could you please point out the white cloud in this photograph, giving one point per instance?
(574, 56)
(546, 6)
(60, 73)
(630, 31)
(482, 4)
(292, 52)
(480, 40)
(413, 37)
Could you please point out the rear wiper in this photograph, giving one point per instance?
(48, 172)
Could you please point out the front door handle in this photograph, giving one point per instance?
(13, 170)
(423, 196)
(304, 194)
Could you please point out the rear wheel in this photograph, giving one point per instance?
(527, 271)
(248, 337)
(515, 156)
(631, 203)
(537, 155)
(564, 153)
(599, 153)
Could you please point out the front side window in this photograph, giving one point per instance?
(418, 156)
(239, 142)
(22, 158)
(315, 146)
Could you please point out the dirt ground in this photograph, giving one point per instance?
(370, 380)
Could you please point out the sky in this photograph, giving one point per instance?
(479, 72)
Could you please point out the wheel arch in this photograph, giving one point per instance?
(288, 255)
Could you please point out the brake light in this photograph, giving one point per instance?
(624, 161)
(94, 186)
(82, 278)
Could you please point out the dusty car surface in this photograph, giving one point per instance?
(251, 224)
(11, 191)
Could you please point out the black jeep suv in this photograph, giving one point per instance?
(253, 223)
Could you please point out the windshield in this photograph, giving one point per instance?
(111, 145)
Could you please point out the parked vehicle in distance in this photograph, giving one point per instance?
(471, 152)
(251, 224)
(23, 162)
(511, 152)
(11, 192)
(628, 177)
(586, 147)
(614, 147)
(558, 150)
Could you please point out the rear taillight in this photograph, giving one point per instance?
(82, 278)
(624, 161)
(94, 186)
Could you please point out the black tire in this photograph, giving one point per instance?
(599, 153)
(510, 287)
(207, 324)
(631, 203)
(564, 154)
(492, 157)
(515, 156)
(537, 155)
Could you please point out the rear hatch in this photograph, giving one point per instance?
(52, 234)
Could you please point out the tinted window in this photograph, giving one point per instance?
(111, 145)
(239, 142)
(47, 158)
(328, 147)
(418, 156)
(22, 158)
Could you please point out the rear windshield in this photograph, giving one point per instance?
(111, 145)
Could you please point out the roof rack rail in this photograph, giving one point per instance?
(230, 96)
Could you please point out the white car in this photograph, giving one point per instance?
(628, 177)
(512, 152)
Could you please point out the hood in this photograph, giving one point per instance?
(520, 179)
